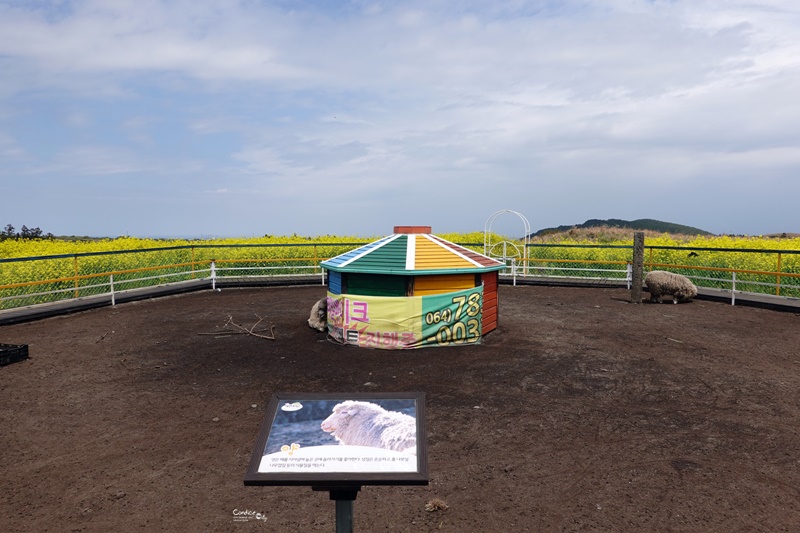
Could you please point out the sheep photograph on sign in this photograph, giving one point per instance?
(341, 439)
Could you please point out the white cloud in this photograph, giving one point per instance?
(93, 161)
(10, 150)
(379, 101)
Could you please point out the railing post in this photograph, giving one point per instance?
(733, 288)
(778, 277)
(629, 274)
(514, 270)
(111, 283)
(638, 267)
(526, 267)
(75, 272)
(213, 275)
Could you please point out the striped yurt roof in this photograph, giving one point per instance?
(412, 250)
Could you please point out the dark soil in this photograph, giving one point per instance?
(581, 412)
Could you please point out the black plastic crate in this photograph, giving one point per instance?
(11, 353)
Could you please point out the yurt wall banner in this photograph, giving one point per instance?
(411, 322)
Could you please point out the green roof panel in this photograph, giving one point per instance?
(412, 254)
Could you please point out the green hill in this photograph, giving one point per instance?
(640, 224)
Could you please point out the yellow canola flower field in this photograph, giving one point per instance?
(55, 259)
(760, 262)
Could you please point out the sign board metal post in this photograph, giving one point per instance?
(344, 498)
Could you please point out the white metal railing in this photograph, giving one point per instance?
(733, 281)
(515, 270)
(112, 287)
(216, 270)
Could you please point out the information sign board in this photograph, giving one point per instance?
(341, 440)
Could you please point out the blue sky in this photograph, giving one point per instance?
(248, 117)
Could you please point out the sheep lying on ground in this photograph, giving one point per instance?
(368, 424)
(661, 283)
(319, 315)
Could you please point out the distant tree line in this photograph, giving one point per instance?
(10, 232)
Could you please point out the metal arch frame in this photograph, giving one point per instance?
(487, 231)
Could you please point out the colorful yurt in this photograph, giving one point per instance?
(411, 289)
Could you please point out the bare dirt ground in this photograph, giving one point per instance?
(582, 412)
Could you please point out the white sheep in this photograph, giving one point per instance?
(661, 283)
(367, 424)
(319, 315)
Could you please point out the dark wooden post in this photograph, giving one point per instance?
(638, 267)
